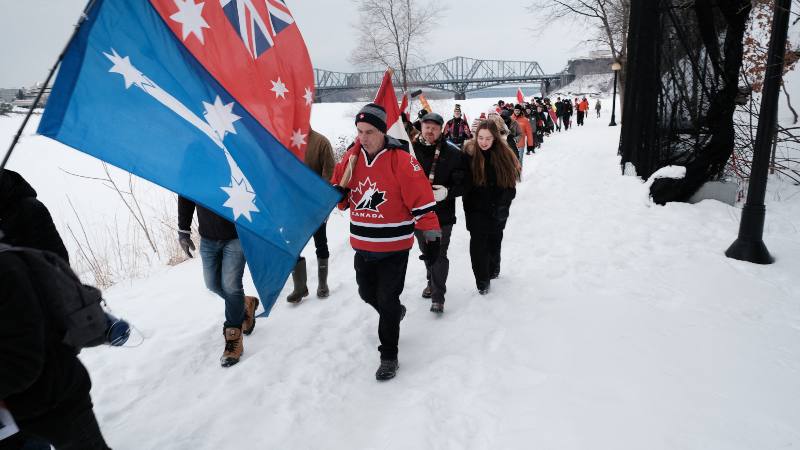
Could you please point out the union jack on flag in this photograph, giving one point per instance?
(257, 22)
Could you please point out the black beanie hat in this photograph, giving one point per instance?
(374, 115)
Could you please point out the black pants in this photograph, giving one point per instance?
(437, 273)
(380, 278)
(567, 118)
(580, 118)
(67, 427)
(321, 241)
(484, 250)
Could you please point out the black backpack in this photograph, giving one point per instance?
(73, 308)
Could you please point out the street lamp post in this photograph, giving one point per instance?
(616, 68)
(749, 245)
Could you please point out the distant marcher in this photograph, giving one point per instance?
(486, 206)
(525, 133)
(584, 105)
(567, 108)
(456, 130)
(579, 111)
(597, 107)
(559, 106)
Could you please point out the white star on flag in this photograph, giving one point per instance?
(124, 67)
(190, 15)
(279, 88)
(309, 97)
(298, 139)
(240, 199)
(221, 117)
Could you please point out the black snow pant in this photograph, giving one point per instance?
(437, 273)
(484, 251)
(321, 242)
(71, 426)
(380, 278)
(567, 118)
(580, 118)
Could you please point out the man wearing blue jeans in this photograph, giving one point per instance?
(223, 268)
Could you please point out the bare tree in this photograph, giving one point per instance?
(609, 18)
(391, 31)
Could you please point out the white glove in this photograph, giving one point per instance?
(439, 192)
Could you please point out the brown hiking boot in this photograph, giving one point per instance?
(233, 347)
(250, 306)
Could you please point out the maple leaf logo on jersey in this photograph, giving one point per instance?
(371, 196)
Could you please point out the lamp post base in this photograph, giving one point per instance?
(754, 251)
(613, 122)
(749, 245)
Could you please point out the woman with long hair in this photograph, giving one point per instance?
(494, 168)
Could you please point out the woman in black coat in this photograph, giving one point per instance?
(486, 206)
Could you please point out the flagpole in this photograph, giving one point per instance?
(84, 16)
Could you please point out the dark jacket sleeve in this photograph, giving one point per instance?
(460, 178)
(37, 229)
(185, 213)
(22, 334)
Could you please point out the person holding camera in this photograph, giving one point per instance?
(44, 388)
(494, 168)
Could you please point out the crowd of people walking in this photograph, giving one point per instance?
(396, 192)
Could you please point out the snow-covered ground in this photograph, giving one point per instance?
(601, 84)
(615, 324)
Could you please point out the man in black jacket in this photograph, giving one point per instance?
(446, 168)
(223, 269)
(24, 220)
(42, 383)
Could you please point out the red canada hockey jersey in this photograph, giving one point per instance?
(389, 197)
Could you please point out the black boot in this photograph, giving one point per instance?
(322, 272)
(387, 369)
(483, 287)
(299, 278)
(437, 308)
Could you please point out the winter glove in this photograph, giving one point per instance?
(439, 192)
(343, 191)
(432, 249)
(186, 242)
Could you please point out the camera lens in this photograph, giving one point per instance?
(117, 331)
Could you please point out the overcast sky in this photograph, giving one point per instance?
(33, 32)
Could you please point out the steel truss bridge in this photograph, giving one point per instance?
(458, 75)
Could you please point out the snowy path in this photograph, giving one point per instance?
(615, 324)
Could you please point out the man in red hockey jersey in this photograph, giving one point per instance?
(389, 197)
